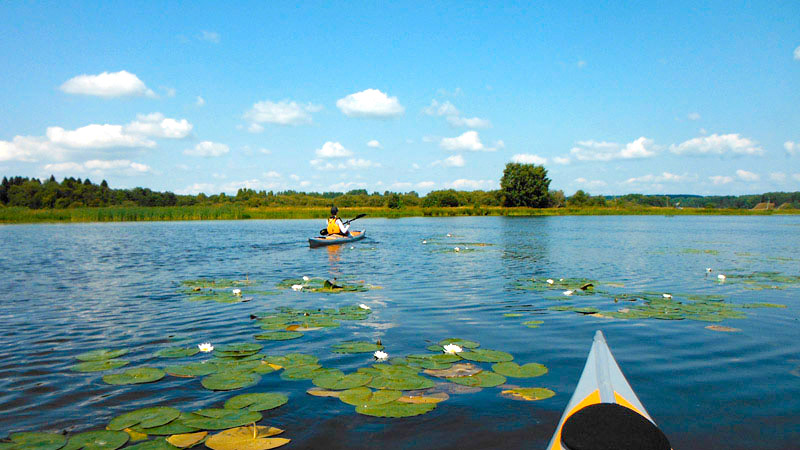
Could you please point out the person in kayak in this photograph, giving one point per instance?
(335, 225)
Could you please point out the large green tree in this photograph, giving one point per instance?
(525, 185)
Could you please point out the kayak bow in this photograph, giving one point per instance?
(595, 412)
(336, 239)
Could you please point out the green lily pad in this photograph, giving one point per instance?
(261, 401)
(279, 336)
(220, 418)
(483, 355)
(481, 379)
(227, 381)
(533, 323)
(460, 342)
(529, 394)
(37, 441)
(337, 380)
(238, 349)
(514, 370)
(97, 440)
(512, 315)
(292, 360)
(400, 382)
(155, 444)
(367, 397)
(356, 347)
(98, 366)
(145, 418)
(102, 354)
(396, 409)
(177, 352)
(306, 372)
(191, 370)
(176, 426)
(137, 375)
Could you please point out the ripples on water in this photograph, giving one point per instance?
(67, 289)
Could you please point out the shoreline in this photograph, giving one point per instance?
(21, 215)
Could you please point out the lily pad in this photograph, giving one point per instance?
(483, 355)
(292, 360)
(238, 349)
(228, 381)
(722, 328)
(102, 354)
(528, 394)
(396, 409)
(306, 372)
(97, 440)
(137, 375)
(37, 441)
(356, 347)
(220, 419)
(187, 440)
(533, 323)
(481, 379)
(460, 342)
(319, 392)
(512, 315)
(337, 380)
(260, 401)
(436, 397)
(247, 438)
(456, 370)
(177, 352)
(367, 397)
(400, 382)
(99, 366)
(155, 444)
(176, 426)
(145, 418)
(191, 370)
(514, 370)
(279, 336)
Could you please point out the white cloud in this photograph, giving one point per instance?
(500, 144)
(452, 161)
(590, 183)
(305, 183)
(400, 185)
(471, 184)
(453, 115)
(778, 177)
(473, 122)
(197, 188)
(207, 149)
(581, 64)
(747, 176)
(210, 36)
(272, 174)
(374, 144)
(720, 179)
(527, 158)
(333, 150)
(96, 136)
(265, 151)
(99, 166)
(347, 186)
(255, 128)
(561, 160)
(796, 176)
(108, 85)
(425, 185)
(469, 141)
(717, 145)
(200, 101)
(28, 148)
(294, 177)
(370, 103)
(693, 116)
(284, 112)
(156, 125)
(360, 163)
(792, 148)
(664, 177)
(254, 184)
(414, 166)
(441, 109)
(797, 53)
(352, 163)
(168, 91)
(608, 151)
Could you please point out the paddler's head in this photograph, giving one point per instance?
(334, 211)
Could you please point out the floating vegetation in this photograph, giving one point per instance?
(366, 396)
(177, 352)
(187, 440)
(482, 379)
(578, 286)
(459, 342)
(102, 354)
(279, 336)
(513, 315)
(261, 401)
(395, 409)
(533, 323)
(250, 438)
(35, 440)
(455, 370)
(97, 440)
(144, 418)
(356, 347)
(137, 375)
(763, 280)
(514, 370)
(323, 285)
(484, 355)
(221, 418)
(528, 394)
(222, 290)
(722, 328)
(228, 381)
(337, 380)
(98, 366)
(697, 251)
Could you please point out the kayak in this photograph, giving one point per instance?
(604, 412)
(336, 239)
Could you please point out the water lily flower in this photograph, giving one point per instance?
(569, 292)
(721, 277)
(452, 349)
(380, 355)
(449, 235)
(305, 278)
(297, 287)
(424, 242)
(457, 249)
(206, 347)
(666, 295)
(708, 269)
(363, 306)
(550, 281)
(237, 292)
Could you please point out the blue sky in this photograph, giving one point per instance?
(613, 98)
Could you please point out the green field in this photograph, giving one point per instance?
(234, 212)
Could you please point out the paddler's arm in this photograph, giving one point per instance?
(343, 229)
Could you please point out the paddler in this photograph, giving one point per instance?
(335, 225)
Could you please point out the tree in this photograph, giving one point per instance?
(579, 198)
(525, 185)
(557, 199)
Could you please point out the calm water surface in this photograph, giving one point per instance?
(66, 289)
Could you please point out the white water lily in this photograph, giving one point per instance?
(457, 249)
(380, 355)
(424, 242)
(305, 278)
(206, 347)
(452, 349)
(237, 292)
(297, 287)
(449, 235)
(721, 277)
(550, 281)
(569, 292)
(363, 306)
(666, 295)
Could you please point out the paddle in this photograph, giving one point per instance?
(324, 231)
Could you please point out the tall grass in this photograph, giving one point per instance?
(235, 212)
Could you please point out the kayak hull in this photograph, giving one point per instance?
(324, 241)
(602, 381)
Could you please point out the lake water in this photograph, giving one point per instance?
(67, 289)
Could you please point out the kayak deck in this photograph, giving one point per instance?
(602, 381)
(322, 241)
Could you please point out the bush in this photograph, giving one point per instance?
(525, 185)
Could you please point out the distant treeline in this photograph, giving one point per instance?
(76, 193)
